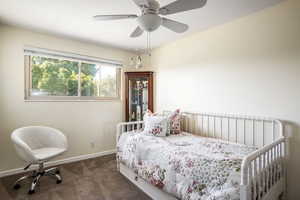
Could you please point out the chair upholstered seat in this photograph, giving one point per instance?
(47, 153)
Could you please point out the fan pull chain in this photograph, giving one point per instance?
(147, 49)
(148, 44)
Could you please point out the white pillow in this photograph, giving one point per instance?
(156, 125)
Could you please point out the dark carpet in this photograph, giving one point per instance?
(92, 179)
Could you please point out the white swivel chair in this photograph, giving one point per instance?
(36, 145)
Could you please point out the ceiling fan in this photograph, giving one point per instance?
(150, 18)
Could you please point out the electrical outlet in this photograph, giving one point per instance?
(92, 144)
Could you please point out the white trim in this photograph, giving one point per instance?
(45, 98)
(58, 162)
(35, 51)
(74, 100)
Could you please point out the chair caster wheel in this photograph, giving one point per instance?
(58, 181)
(17, 186)
(31, 192)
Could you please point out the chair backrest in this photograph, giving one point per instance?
(26, 139)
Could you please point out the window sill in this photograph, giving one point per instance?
(73, 100)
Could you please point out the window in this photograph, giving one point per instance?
(59, 76)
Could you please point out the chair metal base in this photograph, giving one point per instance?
(36, 176)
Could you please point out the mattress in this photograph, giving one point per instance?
(186, 166)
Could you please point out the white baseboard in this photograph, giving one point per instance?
(58, 162)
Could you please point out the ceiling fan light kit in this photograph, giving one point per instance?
(149, 22)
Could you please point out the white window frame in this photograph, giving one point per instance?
(33, 51)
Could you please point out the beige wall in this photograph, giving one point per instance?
(249, 66)
(82, 122)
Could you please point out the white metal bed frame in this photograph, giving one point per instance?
(263, 172)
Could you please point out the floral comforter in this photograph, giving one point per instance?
(187, 166)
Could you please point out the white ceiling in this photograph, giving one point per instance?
(73, 18)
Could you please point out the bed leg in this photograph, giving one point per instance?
(283, 195)
(118, 162)
(118, 166)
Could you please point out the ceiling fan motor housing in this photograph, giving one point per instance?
(149, 22)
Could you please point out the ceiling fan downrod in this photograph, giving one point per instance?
(148, 49)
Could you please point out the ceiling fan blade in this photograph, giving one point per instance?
(114, 17)
(141, 3)
(181, 6)
(174, 25)
(137, 32)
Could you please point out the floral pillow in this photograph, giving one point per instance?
(156, 125)
(174, 118)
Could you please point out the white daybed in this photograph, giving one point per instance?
(263, 171)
